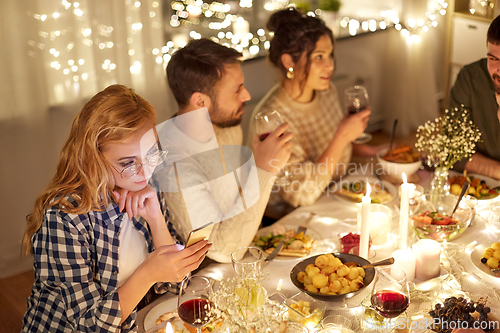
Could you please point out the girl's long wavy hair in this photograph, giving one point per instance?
(83, 176)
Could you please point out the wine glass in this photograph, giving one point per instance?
(193, 304)
(390, 296)
(266, 122)
(356, 100)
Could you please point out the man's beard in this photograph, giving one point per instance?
(224, 123)
(496, 77)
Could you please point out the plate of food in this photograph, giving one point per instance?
(484, 188)
(332, 276)
(296, 245)
(353, 188)
(461, 311)
(486, 258)
(164, 311)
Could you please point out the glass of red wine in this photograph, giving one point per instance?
(356, 100)
(193, 304)
(266, 122)
(390, 295)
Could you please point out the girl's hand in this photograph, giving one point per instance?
(144, 203)
(171, 263)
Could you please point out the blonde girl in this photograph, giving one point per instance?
(98, 234)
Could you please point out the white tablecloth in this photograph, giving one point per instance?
(335, 216)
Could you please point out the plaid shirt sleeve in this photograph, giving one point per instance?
(70, 294)
(162, 288)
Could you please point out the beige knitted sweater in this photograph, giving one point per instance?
(203, 187)
(313, 125)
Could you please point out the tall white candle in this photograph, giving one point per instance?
(365, 221)
(427, 254)
(403, 213)
(404, 259)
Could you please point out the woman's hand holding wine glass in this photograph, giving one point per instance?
(193, 303)
(356, 101)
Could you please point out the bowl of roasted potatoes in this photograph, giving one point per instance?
(332, 276)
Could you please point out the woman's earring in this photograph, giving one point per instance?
(290, 74)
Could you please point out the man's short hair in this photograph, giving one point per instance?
(198, 67)
(494, 31)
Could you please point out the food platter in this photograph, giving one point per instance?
(347, 181)
(344, 257)
(168, 306)
(476, 256)
(490, 182)
(267, 230)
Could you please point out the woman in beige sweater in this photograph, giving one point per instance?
(302, 48)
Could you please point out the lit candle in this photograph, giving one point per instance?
(405, 260)
(427, 254)
(365, 221)
(241, 27)
(403, 213)
(280, 283)
(169, 328)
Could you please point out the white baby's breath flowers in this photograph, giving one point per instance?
(448, 139)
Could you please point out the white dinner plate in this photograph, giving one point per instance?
(264, 231)
(476, 256)
(168, 306)
(489, 181)
(351, 179)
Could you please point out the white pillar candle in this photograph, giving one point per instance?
(241, 27)
(405, 260)
(169, 328)
(365, 220)
(427, 253)
(403, 214)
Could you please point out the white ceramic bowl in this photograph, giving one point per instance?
(395, 170)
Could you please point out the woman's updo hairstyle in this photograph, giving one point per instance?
(294, 34)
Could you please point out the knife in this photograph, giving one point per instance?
(304, 227)
(275, 252)
(160, 325)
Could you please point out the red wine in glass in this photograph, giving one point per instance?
(353, 110)
(389, 303)
(263, 136)
(195, 312)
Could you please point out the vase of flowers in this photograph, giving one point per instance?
(445, 141)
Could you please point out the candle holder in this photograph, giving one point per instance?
(379, 224)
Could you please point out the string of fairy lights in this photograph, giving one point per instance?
(192, 19)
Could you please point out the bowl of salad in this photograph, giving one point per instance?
(433, 218)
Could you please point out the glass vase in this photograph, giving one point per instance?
(440, 183)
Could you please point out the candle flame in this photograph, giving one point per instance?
(169, 328)
(404, 178)
(368, 190)
(280, 283)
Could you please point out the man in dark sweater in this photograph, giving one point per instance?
(478, 88)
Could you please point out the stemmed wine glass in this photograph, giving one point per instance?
(356, 100)
(266, 122)
(193, 304)
(390, 295)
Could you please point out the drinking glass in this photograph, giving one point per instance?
(356, 100)
(415, 197)
(247, 262)
(193, 304)
(390, 296)
(266, 122)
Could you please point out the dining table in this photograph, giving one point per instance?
(333, 215)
